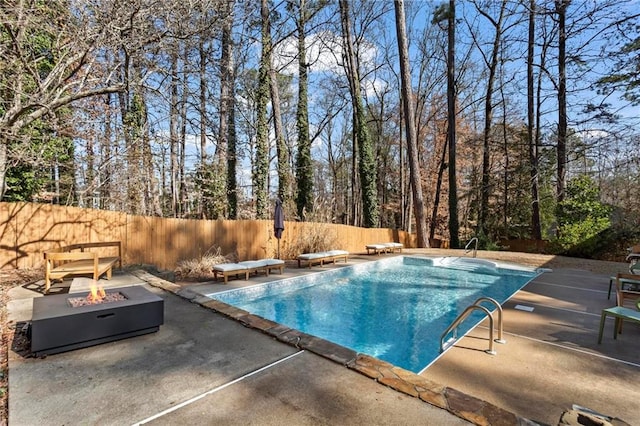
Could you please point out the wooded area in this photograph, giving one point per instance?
(496, 119)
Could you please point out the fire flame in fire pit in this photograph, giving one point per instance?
(97, 294)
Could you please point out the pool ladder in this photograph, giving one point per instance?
(476, 306)
(468, 248)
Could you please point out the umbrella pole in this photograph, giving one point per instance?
(278, 248)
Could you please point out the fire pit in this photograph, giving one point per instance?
(65, 322)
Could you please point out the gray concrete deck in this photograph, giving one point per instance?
(204, 367)
(551, 359)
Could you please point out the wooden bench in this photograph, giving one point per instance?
(78, 259)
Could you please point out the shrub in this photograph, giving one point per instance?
(316, 239)
(202, 267)
(582, 217)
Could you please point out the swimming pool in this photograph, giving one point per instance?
(393, 309)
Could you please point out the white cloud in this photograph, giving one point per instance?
(324, 54)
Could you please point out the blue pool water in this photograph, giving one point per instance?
(394, 309)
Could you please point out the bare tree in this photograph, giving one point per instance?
(410, 126)
(491, 61)
(261, 163)
(536, 230)
(366, 163)
(226, 130)
(304, 164)
(28, 93)
(451, 125)
(561, 150)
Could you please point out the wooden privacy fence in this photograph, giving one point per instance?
(28, 229)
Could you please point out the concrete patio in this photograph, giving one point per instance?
(205, 367)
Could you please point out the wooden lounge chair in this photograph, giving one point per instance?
(226, 269)
(271, 264)
(378, 248)
(323, 257)
(247, 267)
(263, 265)
(393, 247)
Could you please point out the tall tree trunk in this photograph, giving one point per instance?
(536, 231)
(261, 163)
(89, 192)
(204, 122)
(454, 240)
(507, 160)
(304, 164)
(356, 218)
(174, 149)
(226, 145)
(405, 224)
(3, 167)
(488, 119)
(133, 112)
(366, 164)
(184, 207)
(232, 186)
(152, 193)
(561, 8)
(436, 199)
(410, 126)
(135, 122)
(282, 154)
(106, 176)
(226, 71)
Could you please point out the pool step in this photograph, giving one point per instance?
(470, 264)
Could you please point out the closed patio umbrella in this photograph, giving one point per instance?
(278, 223)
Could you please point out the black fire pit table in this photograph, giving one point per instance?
(58, 326)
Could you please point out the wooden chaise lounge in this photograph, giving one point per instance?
(376, 248)
(246, 268)
(379, 248)
(80, 259)
(323, 257)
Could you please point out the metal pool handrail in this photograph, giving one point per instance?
(475, 248)
(476, 306)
